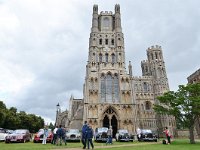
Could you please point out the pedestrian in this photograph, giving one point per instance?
(109, 134)
(64, 135)
(84, 131)
(167, 133)
(54, 135)
(59, 135)
(45, 135)
(89, 136)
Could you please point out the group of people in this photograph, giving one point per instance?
(58, 135)
(87, 136)
(166, 132)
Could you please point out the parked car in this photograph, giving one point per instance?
(3, 134)
(19, 135)
(38, 137)
(101, 134)
(148, 135)
(73, 135)
(123, 135)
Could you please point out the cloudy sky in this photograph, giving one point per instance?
(44, 46)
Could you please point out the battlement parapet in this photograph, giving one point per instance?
(142, 77)
(106, 13)
(156, 47)
(144, 62)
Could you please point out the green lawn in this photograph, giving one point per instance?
(182, 144)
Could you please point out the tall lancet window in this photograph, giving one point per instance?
(116, 88)
(103, 88)
(109, 88)
(106, 57)
(113, 58)
(100, 58)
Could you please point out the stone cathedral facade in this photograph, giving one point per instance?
(112, 95)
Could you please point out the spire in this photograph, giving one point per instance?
(95, 19)
(117, 18)
(130, 69)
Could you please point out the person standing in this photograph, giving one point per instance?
(54, 135)
(84, 131)
(109, 133)
(167, 133)
(64, 135)
(45, 135)
(138, 133)
(89, 136)
(59, 133)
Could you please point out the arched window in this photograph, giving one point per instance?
(103, 88)
(116, 88)
(145, 87)
(106, 41)
(109, 88)
(113, 58)
(148, 105)
(106, 58)
(100, 41)
(106, 22)
(100, 58)
(156, 55)
(151, 56)
(112, 42)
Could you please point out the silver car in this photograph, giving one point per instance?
(73, 135)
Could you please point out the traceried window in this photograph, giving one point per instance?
(106, 58)
(106, 41)
(100, 41)
(113, 58)
(145, 87)
(112, 42)
(109, 88)
(148, 105)
(106, 22)
(100, 58)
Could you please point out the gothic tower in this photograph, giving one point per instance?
(107, 88)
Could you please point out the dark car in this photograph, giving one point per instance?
(73, 135)
(39, 136)
(147, 135)
(101, 134)
(123, 135)
(19, 135)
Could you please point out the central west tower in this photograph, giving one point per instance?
(108, 96)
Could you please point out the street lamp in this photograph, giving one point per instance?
(58, 107)
(57, 110)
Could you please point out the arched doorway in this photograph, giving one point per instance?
(114, 125)
(110, 119)
(106, 122)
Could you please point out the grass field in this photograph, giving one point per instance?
(179, 144)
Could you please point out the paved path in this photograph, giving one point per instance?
(111, 146)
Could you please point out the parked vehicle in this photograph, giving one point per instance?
(3, 134)
(73, 135)
(123, 135)
(147, 135)
(101, 134)
(38, 137)
(19, 135)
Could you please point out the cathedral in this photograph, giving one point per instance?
(112, 95)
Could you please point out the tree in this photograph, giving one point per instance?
(2, 113)
(184, 105)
